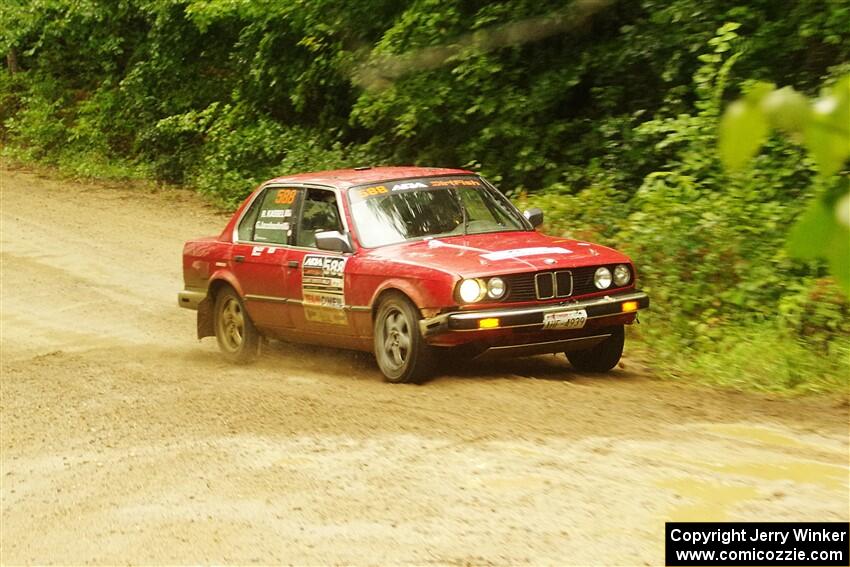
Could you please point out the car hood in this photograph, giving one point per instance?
(499, 253)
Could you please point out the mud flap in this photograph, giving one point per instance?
(206, 320)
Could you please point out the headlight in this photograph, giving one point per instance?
(471, 291)
(622, 274)
(495, 288)
(602, 278)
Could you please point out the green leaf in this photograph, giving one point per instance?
(787, 110)
(842, 211)
(818, 234)
(828, 132)
(838, 256)
(811, 233)
(758, 91)
(742, 131)
(728, 27)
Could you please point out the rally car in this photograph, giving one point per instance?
(409, 263)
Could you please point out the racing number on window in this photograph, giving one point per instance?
(286, 196)
(372, 191)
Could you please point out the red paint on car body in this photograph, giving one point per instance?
(269, 276)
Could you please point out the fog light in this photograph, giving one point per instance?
(629, 306)
(489, 323)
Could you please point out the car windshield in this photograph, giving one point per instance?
(393, 212)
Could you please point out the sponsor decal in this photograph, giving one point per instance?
(257, 250)
(323, 300)
(328, 266)
(276, 213)
(272, 225)
(409, 185)
(520, 252)
(316, 281)
(326, 316)
(455, 183)
(323, 289)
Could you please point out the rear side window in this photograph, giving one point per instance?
(270, 217)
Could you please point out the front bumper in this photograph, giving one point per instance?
(531, 317)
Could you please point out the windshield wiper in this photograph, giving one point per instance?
(457, 196)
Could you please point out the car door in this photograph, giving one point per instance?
(317, 284)
(261, 254)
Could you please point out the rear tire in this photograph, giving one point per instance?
(238, 339)
(400, 350)
(601, 358)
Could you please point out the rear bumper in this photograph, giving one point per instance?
(531, 318)
(190, 299)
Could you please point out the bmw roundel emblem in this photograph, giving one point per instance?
(549, 261)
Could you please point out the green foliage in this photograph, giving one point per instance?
(758, 357)
(239, 153)
(38, 125)
(712, 245)
(596, 213)
(606, 117)
(823, 126)
(816, 310)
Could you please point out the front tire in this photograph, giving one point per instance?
(401, 351)
(602, 357)
(237, 337)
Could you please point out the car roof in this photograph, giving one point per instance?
(345, 178)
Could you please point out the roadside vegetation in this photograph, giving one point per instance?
(605, 114)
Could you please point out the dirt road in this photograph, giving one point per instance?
(125, 440)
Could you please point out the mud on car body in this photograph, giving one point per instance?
(405, 263)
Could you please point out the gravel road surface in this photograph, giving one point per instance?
(126, 440)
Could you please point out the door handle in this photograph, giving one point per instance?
(239, 259)
(292, 264)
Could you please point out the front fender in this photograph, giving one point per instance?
(425, 294)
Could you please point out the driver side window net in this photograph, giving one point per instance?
(319, 213)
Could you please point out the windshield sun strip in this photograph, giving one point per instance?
(494, 200)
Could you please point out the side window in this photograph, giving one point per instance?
(270, 217)
(245, 232)
(319, 212)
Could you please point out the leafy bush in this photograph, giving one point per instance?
(38, 128)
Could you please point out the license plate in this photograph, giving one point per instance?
(565, 319)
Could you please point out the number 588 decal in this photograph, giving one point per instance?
(328, 266)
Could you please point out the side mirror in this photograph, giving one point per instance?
(534, 216)
(334, 241)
